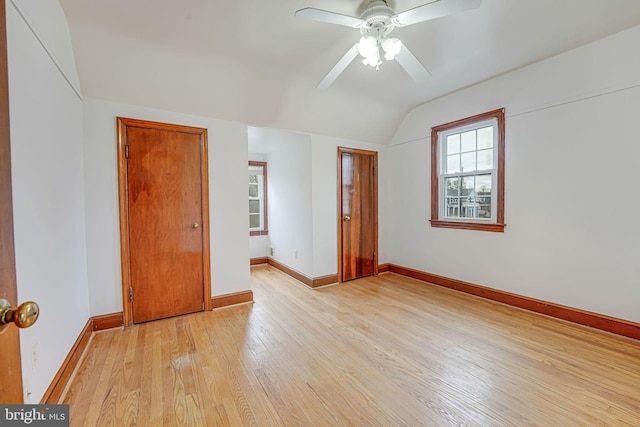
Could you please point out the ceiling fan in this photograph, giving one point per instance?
(375, 24)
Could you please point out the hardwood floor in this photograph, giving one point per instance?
(381, 351)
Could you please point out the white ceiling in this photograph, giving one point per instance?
(251, 61)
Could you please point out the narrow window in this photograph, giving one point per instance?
(467, 173)
(258, 198)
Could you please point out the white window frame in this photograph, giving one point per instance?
(442, 192)
(259, 169)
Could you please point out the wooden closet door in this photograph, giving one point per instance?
(166, 220)
(358, 213)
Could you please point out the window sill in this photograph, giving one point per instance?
(259, 233)
(497, 228)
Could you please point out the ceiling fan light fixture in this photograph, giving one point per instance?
(367, 46)
(369, 50)
(372, 60)
(391, 48)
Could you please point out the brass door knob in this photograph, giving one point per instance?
(195, 225)
(347, 218)
(24, 316)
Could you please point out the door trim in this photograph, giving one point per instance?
(375, 203)
(122, 125)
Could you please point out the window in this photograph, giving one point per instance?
(467, 173)
(258, 198)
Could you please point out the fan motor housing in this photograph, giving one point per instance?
(378, 18)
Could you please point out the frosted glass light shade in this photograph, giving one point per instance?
(367, 46)
(391, 48)
(372, 60)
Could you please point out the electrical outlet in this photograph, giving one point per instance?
(272, 251)
(34, 354)
(295, 254)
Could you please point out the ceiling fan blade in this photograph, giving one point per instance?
(339, 67)
(433, 10)
(314, 14)
(412, 66)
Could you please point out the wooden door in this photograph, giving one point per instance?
(166, 219)
(10, 366)
(358, 216)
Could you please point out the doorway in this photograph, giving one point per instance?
(358, 213)
(164, 219)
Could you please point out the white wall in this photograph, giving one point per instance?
(571, 168)
(289, 185)
(48, 196)
(227, 198)
(259, 246)
(47, 21)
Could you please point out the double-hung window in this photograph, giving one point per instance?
(467, 178)
(257, 198)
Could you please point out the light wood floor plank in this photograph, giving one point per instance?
(380, 351)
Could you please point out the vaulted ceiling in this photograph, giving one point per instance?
(251, 61)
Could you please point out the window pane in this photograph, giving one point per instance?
(257, 196)
(253, 190)
(483, 185)
(452, 207)
(453, 163)
(483, 195)
(452, 186)
(469, 162)
(453, 144)
(485, 159)
(485, 138)
(484, 207)
(469, 141)
(468, 204)
(469, 209)
(468, 187)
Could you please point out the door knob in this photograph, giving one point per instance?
(347, 218)
(195, 225)
(24, 316)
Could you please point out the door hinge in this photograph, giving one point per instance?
(374, 171)
(130, 293)
(126, 151)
